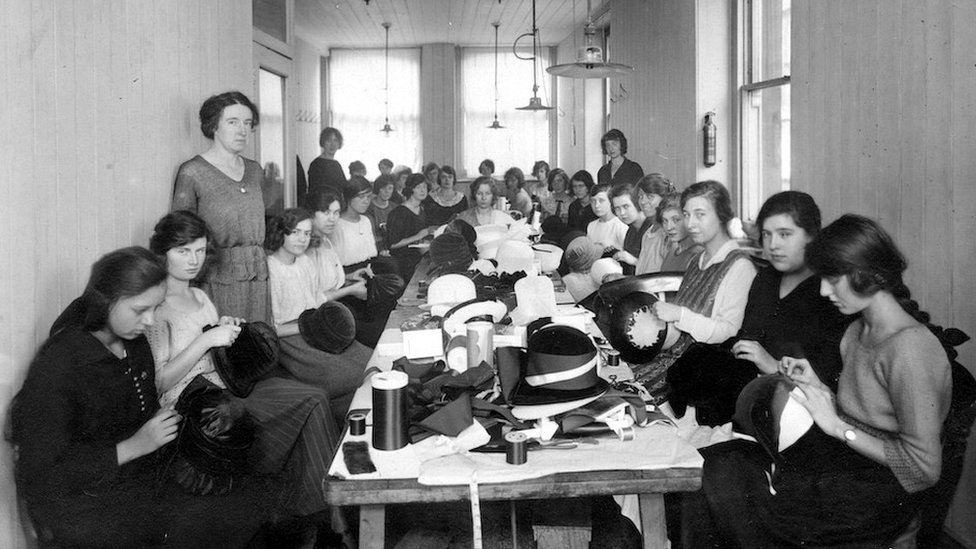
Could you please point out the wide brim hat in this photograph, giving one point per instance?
(253, 355)
(448, 290)
(549, 256)
(651, 283)
(635, 330)
(455, 319)
(558, 368)
(766, 411)
(330, 328)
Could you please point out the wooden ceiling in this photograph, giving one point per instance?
(357, 24)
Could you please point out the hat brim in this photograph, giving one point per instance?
(651, 283)
(623, 312)
(455, 318)
(550, 409)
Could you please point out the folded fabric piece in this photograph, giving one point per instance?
(451, 418)
(355, 454)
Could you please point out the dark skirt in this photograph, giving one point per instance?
(338, 374)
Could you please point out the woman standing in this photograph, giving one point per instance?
(407, 224)
(224, 188)
(295, 431)
(444, 202)
(619, 169)
(580, 213)
(89, 427)
(852, 479)
(556, 203)
(483, 196)
(711, 301)
(325, 171)
(354, 240)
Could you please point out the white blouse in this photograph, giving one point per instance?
(354, 242)
(292, 288)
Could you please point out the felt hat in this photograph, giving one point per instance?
(449, 253)
(635, 331)
(330, 328)
(558, 370)
(448, 290)
(384, 288)
(549, 256)
(651, 283)
(250, 359)
(488, 239)
(553, 229)
(768, 411)
(515, 256)
(605, 267)
(581, 253)
(459, 315)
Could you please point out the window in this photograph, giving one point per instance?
(357, 100)
(764, 102)
(525, 137)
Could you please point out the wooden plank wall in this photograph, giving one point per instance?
(439, 104)
(100, 103)
(884, 124)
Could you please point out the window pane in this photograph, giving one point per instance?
(766, 147)
(271, 132)
(271, 17)
(525, 137)
(770, 39)
(357, 98)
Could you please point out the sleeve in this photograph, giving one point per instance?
(728, 309)
(398, 225)
(370, 240)
(158, 336)
(652, 252)
(824, 353)
(619, 234)
(276, 288)
(919, 384)
(51, 454)
(184, 192)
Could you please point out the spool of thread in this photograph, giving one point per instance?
(357, 424)
(613, 359)
(390, 410)
(481, 343)
(515, 448)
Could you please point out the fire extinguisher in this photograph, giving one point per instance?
(708, 129)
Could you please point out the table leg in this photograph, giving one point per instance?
(372, 526)
(653, 522)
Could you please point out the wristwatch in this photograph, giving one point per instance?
(850, 435)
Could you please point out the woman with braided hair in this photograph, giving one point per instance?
(852, 479)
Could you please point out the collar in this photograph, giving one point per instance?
(719, 256)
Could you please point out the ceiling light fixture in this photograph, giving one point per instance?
(495, 125)
(589, 58)
(535, 102)
(386, 123)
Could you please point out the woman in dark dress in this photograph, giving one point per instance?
(325, 171)
(224, 188)
(619, 169)
(407, 224)
(580, 213)
(444, 202)
(90, 430)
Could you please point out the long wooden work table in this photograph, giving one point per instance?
(372, 495)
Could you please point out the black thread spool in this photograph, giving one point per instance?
(515, 448)
(390, 410)
(357, 424)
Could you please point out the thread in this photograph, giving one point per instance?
(515, 448)
(357, 424)
(390, 410)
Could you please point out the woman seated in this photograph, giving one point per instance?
(483, 196)
(677, 249)
(89, 428)
(607, 229)
(518, 198)
(295, 430)
(852, 479)
(556, 203)
(785, 316)
(580, 213)
(651, 190)
(624, 199)
(444, 202)
(354, 239)
(379, 209)
(337, 361)
(407, 225)
(332, 283)
(711, 301)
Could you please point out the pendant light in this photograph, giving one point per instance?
(589, 58)
(386, 123)
(535, 102)
(495, 125)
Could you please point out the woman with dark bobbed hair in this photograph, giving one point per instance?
(580, 213)
(326, 171)
(407, 225)
(619, 169)
(852, 479)
(224, 188)
(518, 199)
(354, 237)
(90, 431)
(444, 201)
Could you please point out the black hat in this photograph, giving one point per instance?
(635, 331)
(449, 253)
(559, 367)
(330, 328)
(250, 359)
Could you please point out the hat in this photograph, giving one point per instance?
(651, 283)
(767, 411)
(384, 289)
(581, 253)
(515, 256)
(536, 298)
(635, 331)
(252, 356)
(560, 367)
(449, 253)
(448, 290)
(488, 238)
(604, 267)
(549, 256)
(460, 314)
(330, 328)
(553, 228)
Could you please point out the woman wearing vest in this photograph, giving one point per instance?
(712, 299)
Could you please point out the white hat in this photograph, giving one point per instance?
(603, 267)
(488, 238)
(514, 256)
(447, 291)
(536, 299)
(549, 256)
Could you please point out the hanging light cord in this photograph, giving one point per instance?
(387, 71)
(496, 69)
